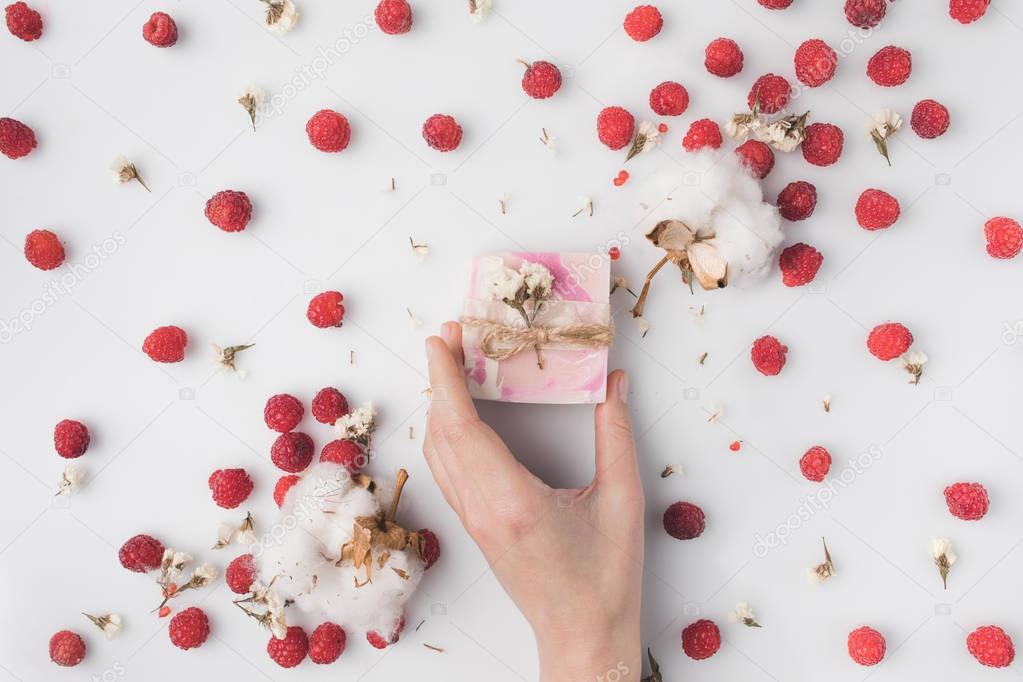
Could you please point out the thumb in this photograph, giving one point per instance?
(616, 449)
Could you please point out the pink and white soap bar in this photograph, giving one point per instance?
(570, 374)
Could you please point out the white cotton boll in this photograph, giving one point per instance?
(317, 519)
(713, 194)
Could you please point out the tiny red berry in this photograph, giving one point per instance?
(346, 453)
(888, 341)
(797, 201)
(757, 157)
(735, 445)
(240, 574)
(683, 521)
(768, 355)
(292, 452)
(815, 464)
(799, 264)
(329, 405)
(643, 23)
(393, 16)
(614, 253)
(377, 641)
(865, 13)
(615, 126)
(230, 210)
(326, 310)
(775, 4)
(16, 138)
(770, 92)
(991, 646)
(189, 628)
(160, 30)
(328, 131)
(442, 132)
(891, 66)
(866, 646)
(967, 11)
(230, 487)
(164, 611)
(431, 547)
(283, 412)
(327, 643)
(284, 484)
(877, 210)
(702, 133)
(930, 119)
(822, 144)
(166, 344)
(70, 438)
(541, 80)
(67, 649)
(291, 650)
(43, 249)
(141, 554)
(669, 99)
(967, 501)
(815, 63)
(701, 639)
(723, 57)
(24, 22)
(1004, 237)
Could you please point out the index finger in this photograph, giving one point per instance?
(450, 397)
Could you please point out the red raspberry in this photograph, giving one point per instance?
(283, 412)
(240, 574)
(328, 405)
(70, 438)
(328, 131)
(377, 640)
(43, 249)
(229, 210)
(160, 30)
(865, 13)
(189, 628)
(16, 138)
(431, 546)
(291, 650)
(930, 119)
(888, 341)
(816, 63)
(327, 643)
(703, 133)
(967, 11)
(1004, 237)
(866, 646)
(166, 344)
(775, 4)
(669, 99)
(799, 264)
(723, 58)
(757, 157)
(768, 355)
(325, 310)
(66, 648)
(442, 132)
(822, 145)
(394, 16)
(991, 646)
(541, 80)
(24, 22)
(141, 554)
(877, 210)
(683, 521)
(230, 487)
(815, 464)
(284, 484)
(891, 66)
(701, 639)
(614, 127)
(643, 23)
(292, 452)
(771, 91)
(967, 501)
(346, 453)
(797, 201)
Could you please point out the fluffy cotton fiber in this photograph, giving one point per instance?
(713, 193)
(316, 521)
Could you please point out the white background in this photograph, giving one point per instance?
(92, 88)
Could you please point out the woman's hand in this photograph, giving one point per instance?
(571, 560)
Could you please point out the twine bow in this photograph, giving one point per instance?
(501, 341)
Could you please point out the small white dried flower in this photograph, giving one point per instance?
(620, 282)
(548, 141)
(413, 321)
(252, 100)
(743, 613)
(109, 624)
(478, 10)
(714, 411)
(913, 362)
(281, 15)
(648, 135)
(420, 251)
(823, 570)
(881, 126)
(672, 469)
(173, 563)
(122, 170)
(503, 283)
(225, 533)
(586, 207)
(358, 425)
(202, 576)
(944, 557)
(224, 359)
(71, 480)
(538, 279)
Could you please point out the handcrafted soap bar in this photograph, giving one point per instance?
(537, 327)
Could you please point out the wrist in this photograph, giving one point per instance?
(613, 656)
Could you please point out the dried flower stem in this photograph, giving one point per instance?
(637, 310)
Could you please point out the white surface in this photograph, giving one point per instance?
(91, 88)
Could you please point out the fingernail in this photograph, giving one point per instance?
(623, 387)
(429, 349)
(445, 332)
